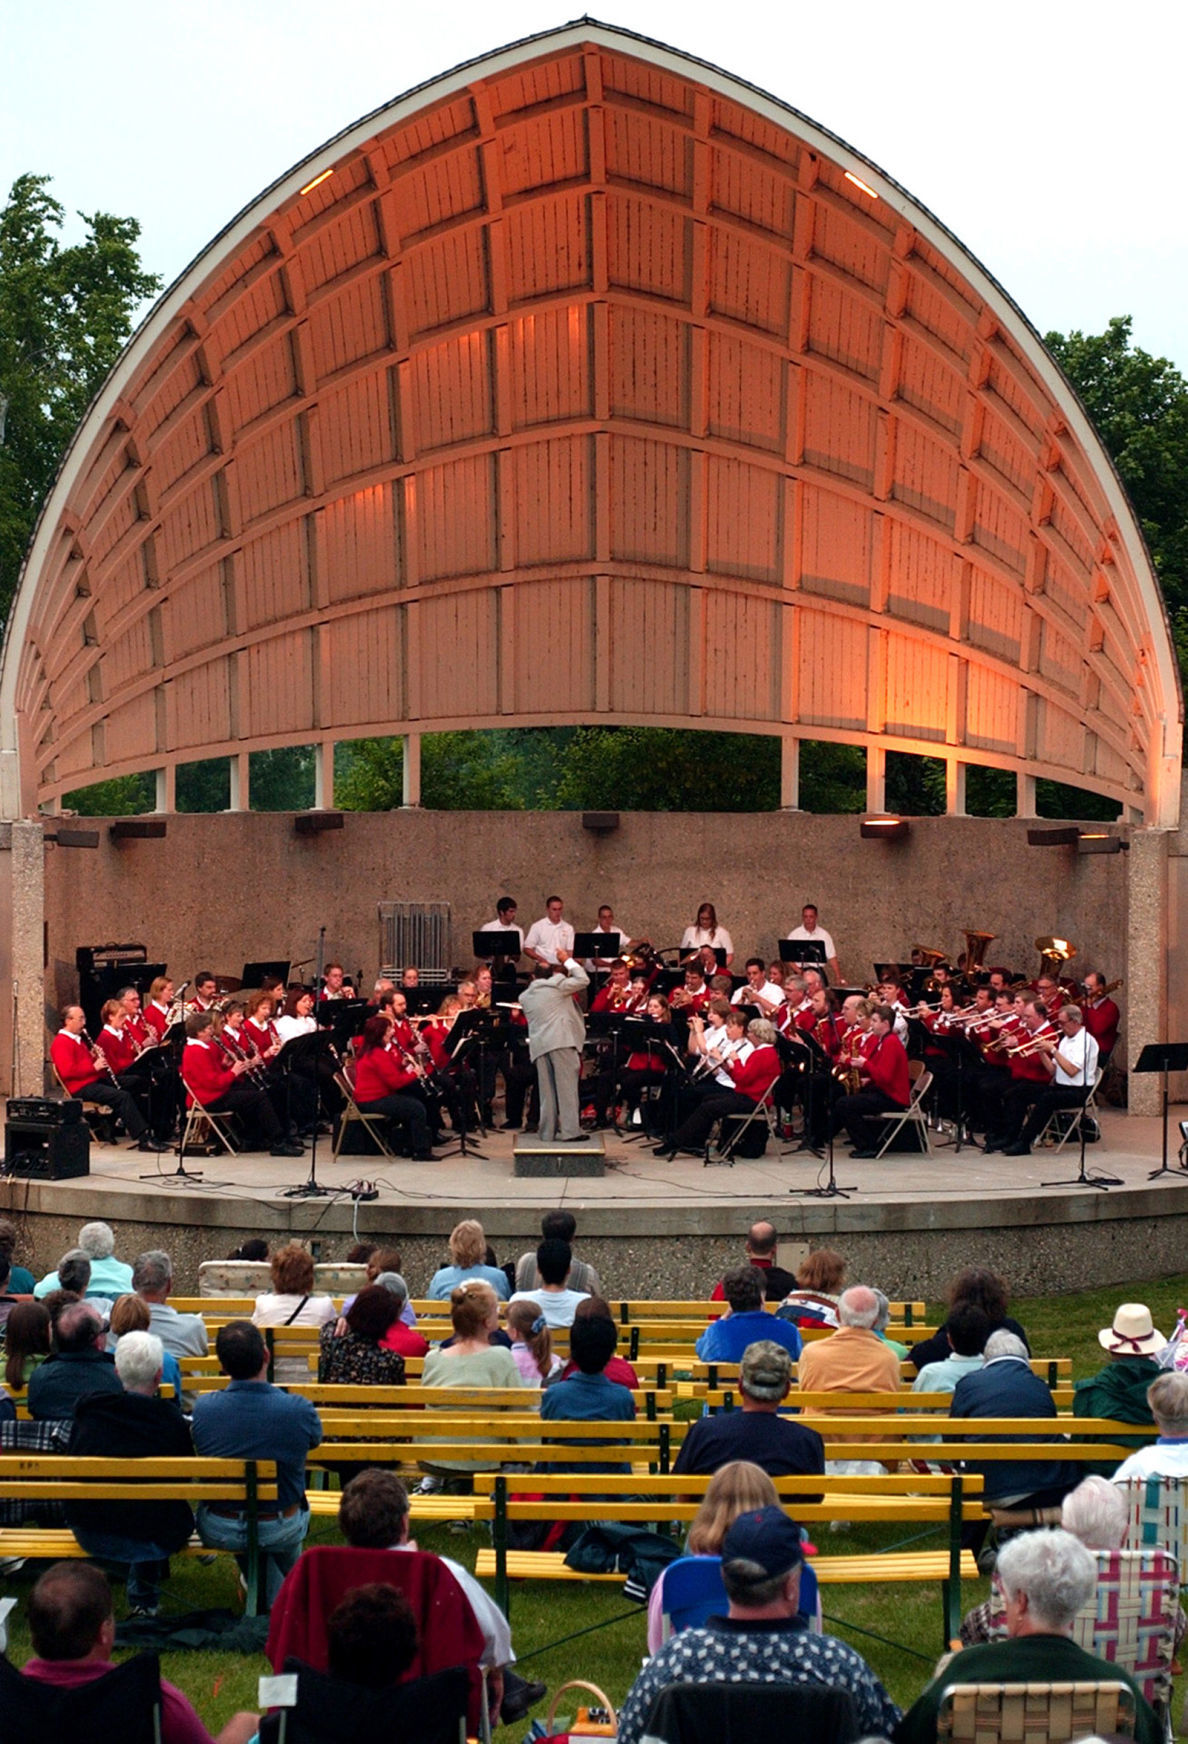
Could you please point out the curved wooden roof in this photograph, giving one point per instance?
(588, 384)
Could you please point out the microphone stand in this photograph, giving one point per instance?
(310, 1188)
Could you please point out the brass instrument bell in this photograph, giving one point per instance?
(1054, 953)
(975, 948)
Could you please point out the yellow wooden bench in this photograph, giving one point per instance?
(26, 1477)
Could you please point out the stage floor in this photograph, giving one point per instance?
(655, 1227)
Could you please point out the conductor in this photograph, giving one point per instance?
(556, 1031)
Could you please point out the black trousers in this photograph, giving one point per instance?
(855, 1114)
(693, 1132)
(122, 1102)
(1046, 1104)
(254, 1104)
(409, 1111)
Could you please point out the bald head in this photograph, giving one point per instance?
(858, 1306)
(762, 1238)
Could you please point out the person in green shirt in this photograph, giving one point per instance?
(1119, 1389)
(1045, 1578)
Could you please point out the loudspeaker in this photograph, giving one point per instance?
(42, 1151)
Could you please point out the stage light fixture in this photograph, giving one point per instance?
(68, 838)
(1060, 836)
(600, 822)
(137, 829)
(312, 823)
(884, 829)
(1100, 842)
(316, 183)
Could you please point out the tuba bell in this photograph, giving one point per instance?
(1054, 953)
(975, 950)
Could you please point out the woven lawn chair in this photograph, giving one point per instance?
(1033, 1713)
(1157, 1516)
(1131, 1619)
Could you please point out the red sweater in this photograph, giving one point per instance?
(1102, 1023)
(207, 1078)
(73, 1062)
(887, 1068)
(379, 1073)
(756, 1074)
(155, 1018)
(118, 1049)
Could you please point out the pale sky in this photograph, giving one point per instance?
(1044, 135)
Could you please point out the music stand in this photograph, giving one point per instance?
(300, 1045)
(830, 1190)
(802, 951)
(255, 974)
(592, 945)
(1162, 1057)
(496, 944)
(463, 1037)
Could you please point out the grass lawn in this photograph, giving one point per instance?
(544, 1614)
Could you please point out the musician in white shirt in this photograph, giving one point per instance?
(1071, 1057)
(757, 990)
(607, 924)
(505, 920)
(809, 931)
(550, 939)
(720, 1044)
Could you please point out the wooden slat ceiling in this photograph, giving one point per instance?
(588, 387)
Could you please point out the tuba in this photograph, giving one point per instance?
(975, 950)
(1054, 954)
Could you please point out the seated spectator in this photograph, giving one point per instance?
(532, 1343)
(735, 1488)
(558, 1226)
(1005, 1387)
(7, 1301)
(967, 1332)
(780, 1446)
(377, 1261)
(1167, 1398)
(72, 1623)
(359, 1356)
(371, 1636)
(588, 1395)
(20, 1278)
(254, 1250)
(133, 1424)
(74, 1271)
(764, 1639)
(558, 1300)
(761, 1244)
(181, 1334)
(985, 1290)
(617, 1368)
(292, 1303)
(1045, 1578)
(468, 1246)
(1094, 1513)
(77, 1366)
(853, 1359)
(818, 1281)
(881, 1322)
(252, 1419)
(109, 1277)
(26, 1346)
(374, 1515)
(1120, 1389)
(470, 1360)
(131, 1314)
(725, 1340)
(400, 1336)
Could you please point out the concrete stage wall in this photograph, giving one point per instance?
(221, 889)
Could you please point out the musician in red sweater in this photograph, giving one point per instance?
(753, 1077)
(1102, 1016)
(84, 1075)
(384, 1084)
(883, 1065)
(214, 1082)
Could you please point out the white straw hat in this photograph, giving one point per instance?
(1133, 1332)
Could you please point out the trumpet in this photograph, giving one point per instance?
(1041, 1041)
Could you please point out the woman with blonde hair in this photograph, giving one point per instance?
(469, 1360)
(734, 1489)
(468, 1252)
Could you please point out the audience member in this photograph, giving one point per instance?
(1045, 1577)
(253, 1250)
(74, 1274)
(72, 1623)
(588, 1395)
(763, 1639)
(557, 1298)
(981, 1288)
(131, 1314)
(359, 1357)
(819, 1280)
(109, 1277)
(781, 1446)
(725, 1340)
(378, 1260)
(1119, 1390)
(7, 1300)
(1167, 1398)
(558, 1226)
(374, 1515)
(735, 1488)
(20, 1278)
(761, 1245)
(967, 1330)
(468, 1246)
(26, 1343)
(77, 1366)
(400, 1336)
(1005, 1387)
(853, 1359)
(469, 1360)
(617, 1368)
(252, 1419)
(532, 1343)
(133, 1424)
(291, 1302)
(371, 1637)
(181, 1334)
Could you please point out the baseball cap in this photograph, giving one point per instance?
(767, 1537)
(765, 1370)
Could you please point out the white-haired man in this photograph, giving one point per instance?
(1045, 1579)
(854, 1358)
(109, 1277)
(133, 1424)
(1168, 1457)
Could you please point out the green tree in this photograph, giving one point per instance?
(1139, 404)
(65, 315)
(664, 769)
(459, 772)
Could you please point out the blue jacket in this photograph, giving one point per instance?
(1006, 1387)
(726, 1339)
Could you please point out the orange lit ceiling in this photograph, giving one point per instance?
(588, 385)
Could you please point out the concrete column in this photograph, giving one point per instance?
(324, 775)
(166, 788)
(240, 769)
(789, 773)
(412, 769)
(1025, 796)
(28, 959)
(1146, 962)
(954, 787)
(876, 778)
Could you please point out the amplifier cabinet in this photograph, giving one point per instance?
(46, 1151)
